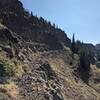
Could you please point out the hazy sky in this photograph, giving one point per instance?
(79, 16)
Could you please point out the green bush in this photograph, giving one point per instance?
(6, 69)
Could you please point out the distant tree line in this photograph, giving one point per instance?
(40, 21)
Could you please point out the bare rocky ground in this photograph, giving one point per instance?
(48, 75)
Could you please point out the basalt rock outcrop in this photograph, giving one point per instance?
(29, 27)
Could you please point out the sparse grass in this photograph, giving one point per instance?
(19, 70)
(10, 89)
(2, 55)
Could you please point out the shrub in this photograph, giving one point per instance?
(6, 69)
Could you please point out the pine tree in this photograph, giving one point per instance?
(73, 44)
(84, 68)
(54, 25)
(31, 14)
(78, 46)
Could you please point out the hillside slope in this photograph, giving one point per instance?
(36, 62)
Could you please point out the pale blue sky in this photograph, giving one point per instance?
(79, 16)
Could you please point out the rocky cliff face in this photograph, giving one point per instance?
(31, 28)
(97, 46)
(94, 49)
(35, 61)
(9, 6)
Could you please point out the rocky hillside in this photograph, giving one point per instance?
(36, 62)
(29, 27)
